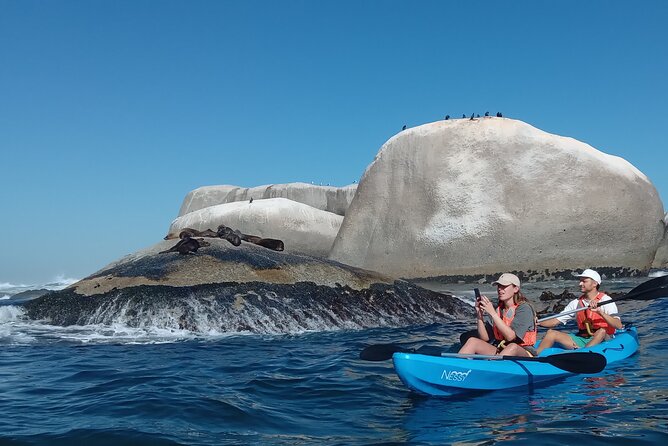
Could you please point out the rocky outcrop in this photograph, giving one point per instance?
(484, 196)
(661, 257)
(303, 229)
(225, 289)
(325, 198)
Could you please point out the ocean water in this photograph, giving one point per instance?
(116, 385)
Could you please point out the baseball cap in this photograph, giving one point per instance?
(507, 279)
(593, 275)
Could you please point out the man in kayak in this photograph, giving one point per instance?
(595, 324)
(513, 322)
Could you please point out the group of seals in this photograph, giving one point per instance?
(188, 243)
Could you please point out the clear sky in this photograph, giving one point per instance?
(111, 111)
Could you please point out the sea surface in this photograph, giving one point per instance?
(116, 385)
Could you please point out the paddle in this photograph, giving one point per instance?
(574, 362)
(652, 289)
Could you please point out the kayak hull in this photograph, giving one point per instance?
(448, 376)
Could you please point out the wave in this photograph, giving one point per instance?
(10, 333)
(659, 273)
(57, 283)
(60, 282)
(259, 308)
(17, 329)
(4, 286)
(10, 313)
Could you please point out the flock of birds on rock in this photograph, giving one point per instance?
(472, 118)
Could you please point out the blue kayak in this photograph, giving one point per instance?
(454, 375)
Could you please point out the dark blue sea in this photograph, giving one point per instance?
(115, 385)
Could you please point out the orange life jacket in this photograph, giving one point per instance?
(529, 338)
(589, 322)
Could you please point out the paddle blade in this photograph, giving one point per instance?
(430, 350)
(381, 352)
(657, 282)
(647, 294)
(577, 362)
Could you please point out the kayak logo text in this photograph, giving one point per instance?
(454, 375)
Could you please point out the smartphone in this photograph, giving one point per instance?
(477, 293)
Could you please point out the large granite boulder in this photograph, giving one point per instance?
(226, 289)
(325, 198)
(465, 197)
(661, 257)
(303, 229)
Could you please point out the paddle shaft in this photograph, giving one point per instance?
(574, 362)
(499, 357)
(614, 299)
(577, 310)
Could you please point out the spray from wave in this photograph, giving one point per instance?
(60, 282)
(57, 283)
(4, 286)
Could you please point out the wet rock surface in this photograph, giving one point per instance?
(252, 307)
(224, 288)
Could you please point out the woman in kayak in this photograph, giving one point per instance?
(513, 322)
(595, 324)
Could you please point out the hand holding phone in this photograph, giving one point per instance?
(477, 294)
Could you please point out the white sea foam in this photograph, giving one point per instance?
(660, 273)
(10, 313)
(6, 286)
(11, 318)
(57, 283)
(5, 297)
(15, 329)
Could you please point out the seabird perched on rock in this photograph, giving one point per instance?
(472, 115)
(403, 128)
(463, 115)
(499, 115)
(486, 113)
(251, 200)
(447, 117)
(477, 116)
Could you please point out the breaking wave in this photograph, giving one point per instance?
(213, 310)
(57, 283)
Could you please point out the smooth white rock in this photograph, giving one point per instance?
(302, 228)
(495, 194)
(661, 257)
(326, 198)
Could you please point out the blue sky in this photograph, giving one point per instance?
(111, 111)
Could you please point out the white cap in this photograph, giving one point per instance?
(593, 275)
(507, 279)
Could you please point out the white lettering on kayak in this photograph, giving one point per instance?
(454, 375)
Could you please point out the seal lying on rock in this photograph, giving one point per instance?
(193, 233)
(270, 243)
(187, 245)
(229, 235)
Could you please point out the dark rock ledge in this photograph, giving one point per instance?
(223, 288)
